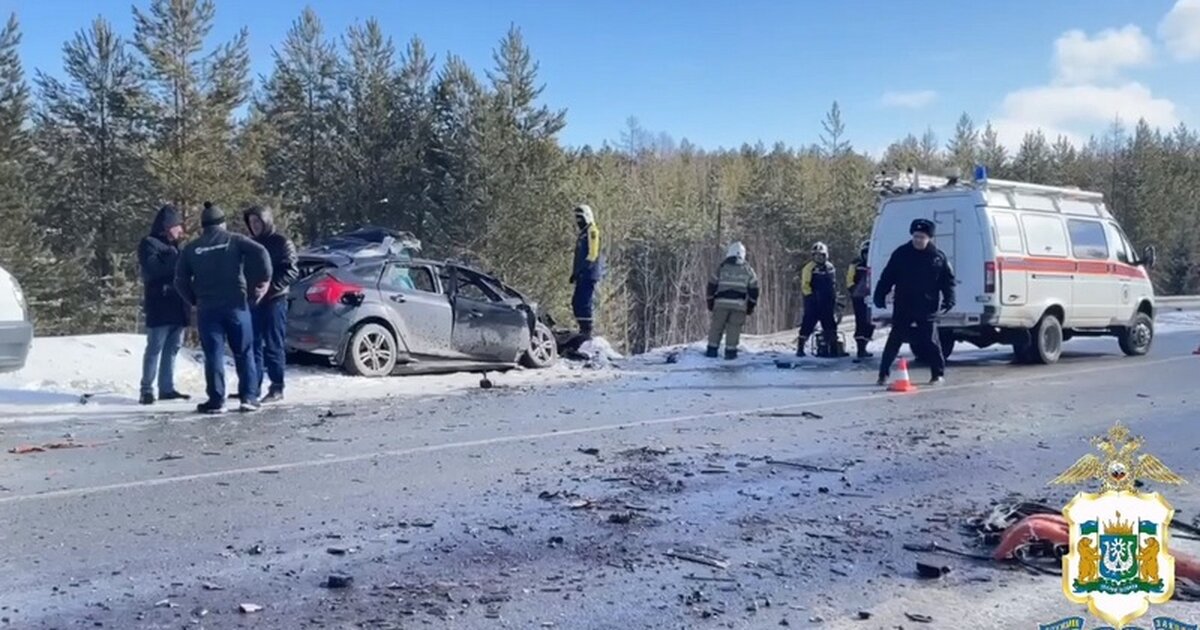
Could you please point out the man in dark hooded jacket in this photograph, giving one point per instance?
(924, 284)
(166, 314)
(213, 273)
(269, 317)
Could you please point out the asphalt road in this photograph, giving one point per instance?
(650, 501)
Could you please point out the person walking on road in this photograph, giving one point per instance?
(732, 297)
(924, 287)
(858, 284)
(587, 271)
(817, 287)
(166, 313)
(213, 273)
(269, 316)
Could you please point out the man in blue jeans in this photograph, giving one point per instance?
(165, 312)
(269, 316)
(213, 273)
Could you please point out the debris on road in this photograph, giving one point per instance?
(589, 451)
(621, 518)
(803, 466)
(338, 580)
(209, 586)
(791, 414)
(931, 572)
(556, 541)
(247, 609)
(25, 449)
(919, 618)
(698, 559)
(169, 456)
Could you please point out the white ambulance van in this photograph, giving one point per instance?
(1034, 265)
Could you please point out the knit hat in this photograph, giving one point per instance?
(924, 226)
(212, 215)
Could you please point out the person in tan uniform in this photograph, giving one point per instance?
(732, 297)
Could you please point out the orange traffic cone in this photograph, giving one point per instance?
(902, 382)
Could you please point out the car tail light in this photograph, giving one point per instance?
(989, 277)
(330, 291)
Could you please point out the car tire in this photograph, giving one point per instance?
(543, 348)
(1047, 341)
(1136, 338)
(372, 351)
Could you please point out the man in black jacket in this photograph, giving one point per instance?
(165, 312)
(269, 316)
(213, 273)
(920, 273)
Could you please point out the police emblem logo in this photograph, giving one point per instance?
(1118, 563)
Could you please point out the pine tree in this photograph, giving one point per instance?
(454, 160)
(963, 149)
(22, 251)
(195, 96)
(1033, 162)
(833, 141)
(299, 101)
(412, 129)
(366, 136)
(992, 154)
(93, 135)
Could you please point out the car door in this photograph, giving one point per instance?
(1124, 273)
(421, 314)
(486, 327)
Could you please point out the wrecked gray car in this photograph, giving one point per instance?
(367, 303)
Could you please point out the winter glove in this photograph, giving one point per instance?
(750, 309)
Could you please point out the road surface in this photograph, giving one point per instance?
(655, 500)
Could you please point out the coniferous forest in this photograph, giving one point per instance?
(354, 128)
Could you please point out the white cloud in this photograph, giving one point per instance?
(1079, 58)
(1180, 29)
(1077, 110)
(909, 100)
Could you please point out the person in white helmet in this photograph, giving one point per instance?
(858, 284)
(818, 289)
(732, 297)
(587, 270)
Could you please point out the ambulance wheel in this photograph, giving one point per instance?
(1047, 340)
(1136, 339)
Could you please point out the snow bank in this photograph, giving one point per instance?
(100, 375)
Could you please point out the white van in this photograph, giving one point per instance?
(16, 332)
(1034, 265)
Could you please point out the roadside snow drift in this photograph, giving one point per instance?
(100, 374)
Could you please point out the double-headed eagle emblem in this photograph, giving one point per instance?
(1120, 466)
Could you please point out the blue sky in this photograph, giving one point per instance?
(724, 73)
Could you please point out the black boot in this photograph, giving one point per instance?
(800, 347)
(862, 349)
(711, 352)
(585, 330)
(730, 354)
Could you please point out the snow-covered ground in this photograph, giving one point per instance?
(98, 375)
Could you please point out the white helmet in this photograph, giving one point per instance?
(736, 250)
(585, 211)
(820, 248)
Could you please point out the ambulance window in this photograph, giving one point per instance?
(1008, 233)
(1087, 240)
(1118, 243)
(1045, 236)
